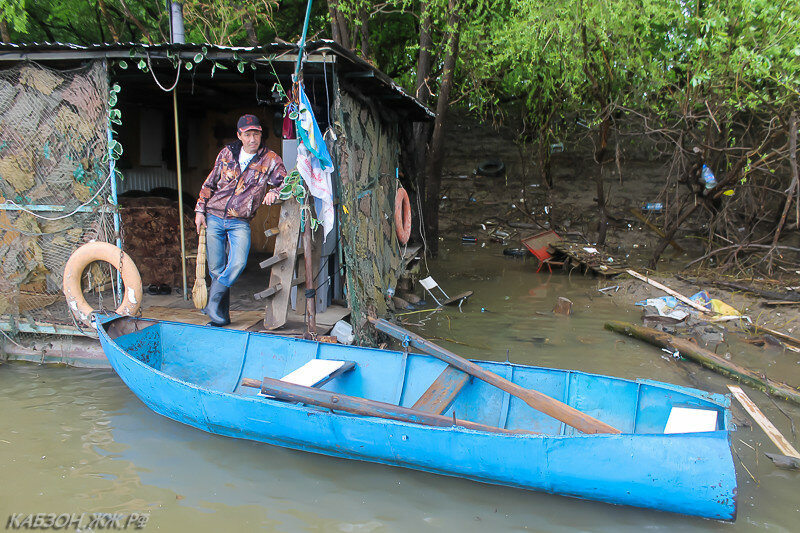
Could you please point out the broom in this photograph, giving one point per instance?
(199, 291)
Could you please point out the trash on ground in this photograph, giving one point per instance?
(343, 332)
(516, 252)
(669, 306)
(606, 290)
(540, 246)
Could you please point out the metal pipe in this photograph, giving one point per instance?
(180, 191)
(178, 34)
(302, 42)
(46, 208)
(113, 181)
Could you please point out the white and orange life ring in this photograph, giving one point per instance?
(101, 251)
(402, 215)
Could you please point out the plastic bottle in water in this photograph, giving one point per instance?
(708, 177)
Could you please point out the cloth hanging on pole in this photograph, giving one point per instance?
(314, 161)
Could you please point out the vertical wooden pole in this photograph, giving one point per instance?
(180, 190)
(311, 302)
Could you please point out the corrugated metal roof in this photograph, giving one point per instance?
(376, 81)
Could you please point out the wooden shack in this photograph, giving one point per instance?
(87, 130)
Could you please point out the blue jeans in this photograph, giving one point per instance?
(227, 243)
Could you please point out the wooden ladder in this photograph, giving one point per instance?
(283, 265)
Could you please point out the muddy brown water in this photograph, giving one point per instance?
(78, 441)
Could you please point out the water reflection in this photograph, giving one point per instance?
(78, 441)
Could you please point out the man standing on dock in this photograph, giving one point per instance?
(246, 175)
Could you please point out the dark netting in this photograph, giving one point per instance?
(54, 183)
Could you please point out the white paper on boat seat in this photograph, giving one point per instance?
(688, 420)
(313, 372)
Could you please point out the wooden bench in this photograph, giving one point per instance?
(440, 395)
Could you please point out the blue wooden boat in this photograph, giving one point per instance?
(417, 411)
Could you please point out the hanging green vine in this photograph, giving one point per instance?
(114, 118)
(293, 187)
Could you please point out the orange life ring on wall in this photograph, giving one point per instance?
(402, 215)
(101, 251)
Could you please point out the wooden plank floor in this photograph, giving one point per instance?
(241, 320)
(250, 320)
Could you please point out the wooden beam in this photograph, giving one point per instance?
(269, 292)
(361, 406)
(772, 432)
(274, 260)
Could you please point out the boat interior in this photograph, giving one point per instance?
(221, 360)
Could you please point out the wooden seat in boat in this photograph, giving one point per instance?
(438, 397)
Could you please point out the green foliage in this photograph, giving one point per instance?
(293, 187)
(13, 12)
(224, 22)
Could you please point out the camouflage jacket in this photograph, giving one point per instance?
(230, 193)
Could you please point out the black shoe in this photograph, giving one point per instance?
(216, 293)
(152, 289)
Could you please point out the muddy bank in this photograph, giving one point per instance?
(512, 204)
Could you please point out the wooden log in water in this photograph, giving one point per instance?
(708, 359)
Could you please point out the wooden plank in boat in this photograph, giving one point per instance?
(240, 320)
(442, 391)
(362, 406)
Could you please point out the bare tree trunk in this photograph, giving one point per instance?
(423, 90)
(793, 164)
(111, 29)
(418, 134)
(252, 38)
(4, 34)
(600, 155)
(363, 29)
(136, 22)
(433, 174)
(339, 30)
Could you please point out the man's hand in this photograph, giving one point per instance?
(270, 197)
(199, 221)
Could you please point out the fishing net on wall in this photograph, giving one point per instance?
(54, 185)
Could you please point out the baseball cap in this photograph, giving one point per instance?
(248, 122)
